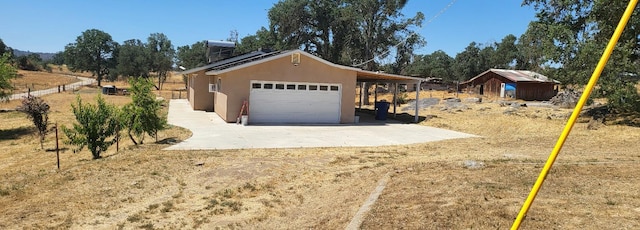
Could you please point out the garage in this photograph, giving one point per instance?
(282, 87)
(294, 102)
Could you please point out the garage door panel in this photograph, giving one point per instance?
(294, 106)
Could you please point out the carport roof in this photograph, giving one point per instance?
(255, 58)
(371, 76)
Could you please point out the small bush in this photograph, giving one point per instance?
(38, 112)
(402, 98)
(142, 115)
(95, 124)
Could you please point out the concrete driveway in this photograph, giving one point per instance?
(211, 132)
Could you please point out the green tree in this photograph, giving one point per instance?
(93, 51)
(38, 112)
(96, 124)
(263, 39)
(506, 53)
(142, 115)
(437, 64)
(58, 59)
(467, 64)
(7, 72)
(31, 62)
(296, 33)
(161, 54)
(133, 61)
(346, 32)
(404, 53)
(579, 31)
(192, 56)
(5, 49)
(535, 48)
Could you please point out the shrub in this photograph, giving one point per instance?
(621, 94)
(38, 111)
(95, 124)
(142, 115)
(7, 72)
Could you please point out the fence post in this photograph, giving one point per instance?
(57, 148)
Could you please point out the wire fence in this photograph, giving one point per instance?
(62, 88)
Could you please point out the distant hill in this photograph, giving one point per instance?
(44, 56)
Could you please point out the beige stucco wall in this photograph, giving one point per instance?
(235, 85)
(199, 96)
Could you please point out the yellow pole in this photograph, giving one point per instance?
(575, 114)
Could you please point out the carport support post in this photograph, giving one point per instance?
(417, 101)
(360, 97)
(395, 98)
(375, 97)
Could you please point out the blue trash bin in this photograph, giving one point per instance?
(382, 108)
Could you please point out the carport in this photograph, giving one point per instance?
(371, 77)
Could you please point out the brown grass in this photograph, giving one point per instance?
(592, 185)
(36, 80)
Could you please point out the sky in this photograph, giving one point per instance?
(47, 26)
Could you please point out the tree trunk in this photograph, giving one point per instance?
(131, 137)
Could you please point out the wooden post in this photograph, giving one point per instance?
(57, 147)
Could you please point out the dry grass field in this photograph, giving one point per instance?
(593, 185)
(36, 80)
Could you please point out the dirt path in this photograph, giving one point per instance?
(84, 81)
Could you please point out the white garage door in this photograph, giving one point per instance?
(294, 102)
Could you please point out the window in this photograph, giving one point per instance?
(291, 86)
(313, 87)
(334, 88)
(268, 86)
(279, 86)
(219, 85)
(213, 88)
(302, 87)
(324, 87)
(256, 86)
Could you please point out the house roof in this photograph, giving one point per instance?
(224, 62)
(255, 58)
(516, 76)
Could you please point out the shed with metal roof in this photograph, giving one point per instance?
(519, 84)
